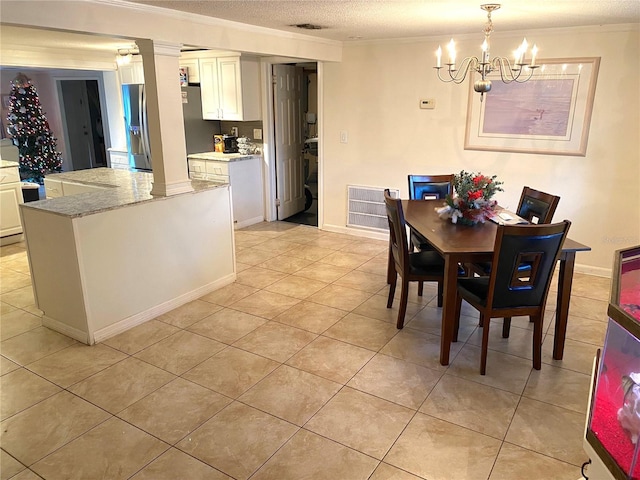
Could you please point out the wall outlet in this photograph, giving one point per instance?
(428, 103)
(344, 137)
(257, 134)
(234, 131)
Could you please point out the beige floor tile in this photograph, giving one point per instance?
(180, 352)
(365, 281)
(247, 240)
(585, 330)
(310, 316)
(238, 440)
(518, 463)
(21, 297)
(140, 337)
(26, 475)
(36, 432)
(275, 341)
(377, 265)
(225, 296)
(549, 430)
(584, 307)
(308, 456)
(231, 371)
(265, 304)
(577, 356)
(345, 259)
(310, 252)
(10, 466)
(291, 394)
(113, 449)
(277, 245)
(13, 280)
(21, 389)
(471, 405)
(76, 363)
(241, 267)
(296, 287)
(189, 313)
(18, 264)
(332, 241)
(122, 384)
(429, 320)
(322, 272)
(362, 331)
(361, 421)
(32, 309)
(285, 263)
(430, 290)
(331, 359)
(388, 472)
(251, 256)
(453, 451)
(395, 380)
(227, 325)
(174, 410)
(34, 345)
(505, 372)
(518, 344)
(7, 366)
(6, 308)
(340, 297)
(258, 277)
(173, 464)
(17, 322)
(559, 387)
(418, 347)
(590, 286)
(370, 248)
(376, 307)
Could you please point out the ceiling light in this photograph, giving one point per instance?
(520, 71)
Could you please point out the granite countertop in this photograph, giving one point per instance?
(220, 157)
(8, 164)
(119, 188)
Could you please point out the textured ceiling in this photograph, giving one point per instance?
(384, 19)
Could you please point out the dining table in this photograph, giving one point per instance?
(460, 244)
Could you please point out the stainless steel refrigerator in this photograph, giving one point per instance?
(135, 117)
(198, 133)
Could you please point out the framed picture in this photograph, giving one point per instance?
(6, 100)
(549, 114)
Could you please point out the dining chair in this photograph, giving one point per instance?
(505, 292)
(427, 187)
(425, 266)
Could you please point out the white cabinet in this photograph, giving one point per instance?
(230, 88)
(193, 69)
(132, 72)
(119, 159)
(10, 199)
(245, 178)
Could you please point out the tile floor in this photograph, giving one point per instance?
(295, 371)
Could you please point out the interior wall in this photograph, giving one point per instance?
(373, 95)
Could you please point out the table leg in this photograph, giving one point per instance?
(565, 279)
(449, 307)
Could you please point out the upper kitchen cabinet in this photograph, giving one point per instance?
(230, 88)
(132, 72)
(192, 64)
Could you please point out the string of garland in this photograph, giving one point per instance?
(29, 130)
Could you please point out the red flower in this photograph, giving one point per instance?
(475, 195)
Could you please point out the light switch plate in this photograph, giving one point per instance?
(428, 103)
(257, 134)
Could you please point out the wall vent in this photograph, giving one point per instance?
(366, 207)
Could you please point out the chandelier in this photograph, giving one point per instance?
(520, 71)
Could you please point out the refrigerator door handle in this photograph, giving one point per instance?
(144, 127)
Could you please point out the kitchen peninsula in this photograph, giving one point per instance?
(106, 255)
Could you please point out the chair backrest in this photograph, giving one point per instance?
(397, 232)
(536, 206)
(430, 187)
(538, 246)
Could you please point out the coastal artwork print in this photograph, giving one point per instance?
(549, 114)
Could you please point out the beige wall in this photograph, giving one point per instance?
(373, 94)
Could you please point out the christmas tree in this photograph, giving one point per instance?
(30, 132)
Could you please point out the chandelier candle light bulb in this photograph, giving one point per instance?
(509, 72)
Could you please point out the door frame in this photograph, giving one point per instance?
(83, 76)
(269, 137)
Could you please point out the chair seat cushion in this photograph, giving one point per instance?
(426, 263)
(419, 241)
(474, 289)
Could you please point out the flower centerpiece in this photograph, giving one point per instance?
(472, 202)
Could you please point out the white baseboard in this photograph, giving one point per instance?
(248, 222)
(595, 271)
(358, 232)
(65, 329)
(139, 318)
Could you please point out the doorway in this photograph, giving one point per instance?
(82, 123)
(295, 107)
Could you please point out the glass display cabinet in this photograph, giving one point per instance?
(612, 433)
